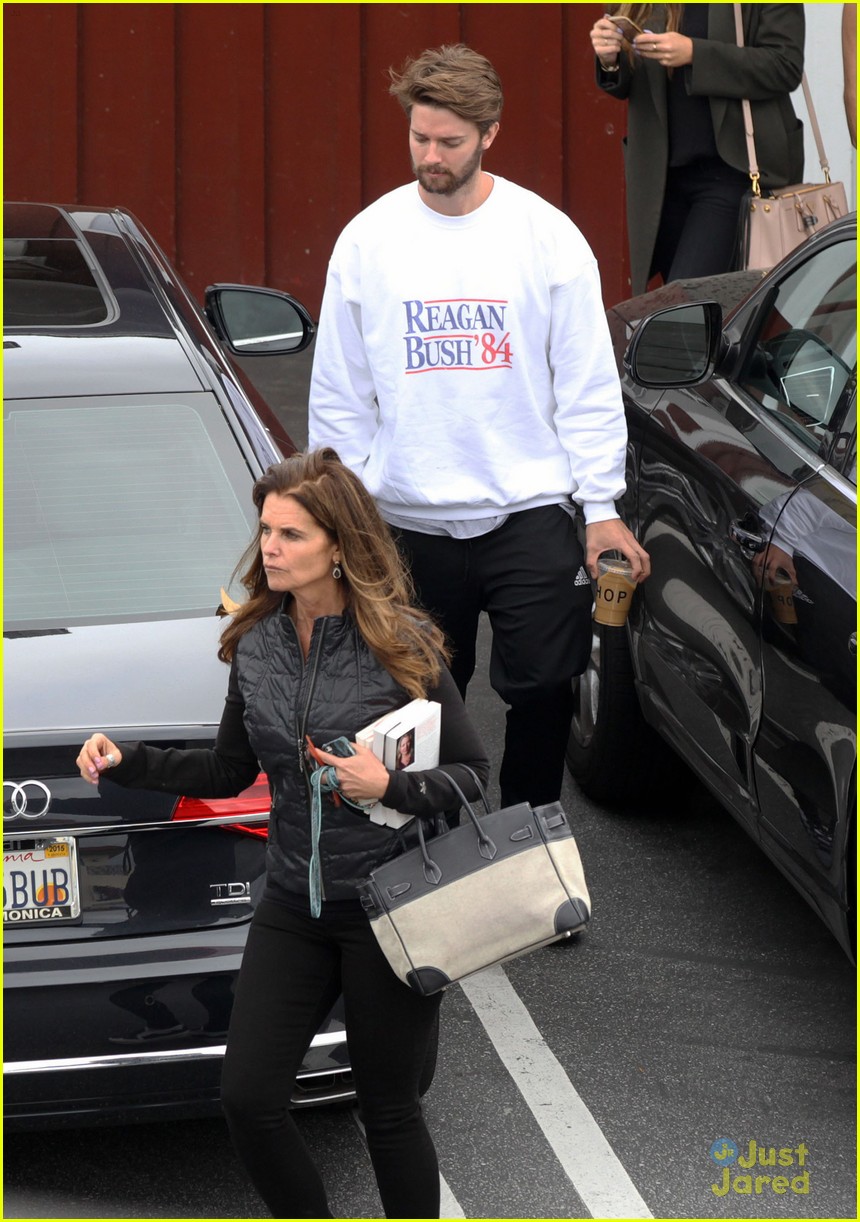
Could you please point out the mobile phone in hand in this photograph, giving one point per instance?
(625, 25)
(338, 746)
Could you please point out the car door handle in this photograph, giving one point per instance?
(852, 644)
(748, 541)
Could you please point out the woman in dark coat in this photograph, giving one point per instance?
(686, 163)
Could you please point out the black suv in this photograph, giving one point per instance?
(740, 651)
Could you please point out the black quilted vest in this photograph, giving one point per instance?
(340, 688)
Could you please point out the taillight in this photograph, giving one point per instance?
(255, 800)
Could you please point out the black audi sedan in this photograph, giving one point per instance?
(131, 445)
(739, 655)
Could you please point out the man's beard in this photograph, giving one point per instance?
(446, 183)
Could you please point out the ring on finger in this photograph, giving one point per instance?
(111, 759)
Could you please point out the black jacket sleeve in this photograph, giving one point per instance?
(616, 84)
(426, 793)
(221, 771)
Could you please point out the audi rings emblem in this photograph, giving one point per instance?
(30, 799)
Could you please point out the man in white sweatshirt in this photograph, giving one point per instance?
(463, 369)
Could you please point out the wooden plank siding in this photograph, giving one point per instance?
(127, 146)
(244, 136)
(41, 103)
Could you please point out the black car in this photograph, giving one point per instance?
(131, 445)
(740, 650)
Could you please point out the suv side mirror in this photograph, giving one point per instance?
(676, 347)
(258, 321)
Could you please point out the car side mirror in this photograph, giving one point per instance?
(258, 321)
(676, 347)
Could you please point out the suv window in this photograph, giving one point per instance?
(801, 359)
(48, 282)
(120, 510)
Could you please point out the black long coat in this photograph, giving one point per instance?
(766, 70)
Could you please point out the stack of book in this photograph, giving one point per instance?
(406, 739)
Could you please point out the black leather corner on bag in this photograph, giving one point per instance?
(572, 916)
(427, 980)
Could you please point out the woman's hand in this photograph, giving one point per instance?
(361, 777)
(774, 567)
(669, 50)
(612, 535)
(97, 755)
(606, 40)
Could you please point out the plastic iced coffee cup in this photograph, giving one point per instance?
(615, 589)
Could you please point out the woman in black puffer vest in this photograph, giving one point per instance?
(327, 642)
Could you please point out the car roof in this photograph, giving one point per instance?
(75, 273)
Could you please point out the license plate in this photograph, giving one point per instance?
(40, 881)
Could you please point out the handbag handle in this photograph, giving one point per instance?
(486, 847)
(748, 123)
(482, 793)
(441, 825)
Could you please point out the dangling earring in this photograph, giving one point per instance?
(337, 572)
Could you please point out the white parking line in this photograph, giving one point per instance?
(577, 1140)
(449, 1206)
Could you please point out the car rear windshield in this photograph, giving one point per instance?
(120, 509)
(47, 282)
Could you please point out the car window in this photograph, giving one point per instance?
(48, 282)
(801, 361)
(120, 510)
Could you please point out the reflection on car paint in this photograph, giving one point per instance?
(741, 646)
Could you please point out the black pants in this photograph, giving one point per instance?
(293, 969)
(699, 221)
(529, 577)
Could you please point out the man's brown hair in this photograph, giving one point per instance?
(455, 77)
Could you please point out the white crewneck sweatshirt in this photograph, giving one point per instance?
(463, 366)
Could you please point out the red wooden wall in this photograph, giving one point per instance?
(244, 136)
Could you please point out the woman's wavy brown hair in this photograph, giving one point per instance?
(378, 589)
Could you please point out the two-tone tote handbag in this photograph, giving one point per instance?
(771, 226)
(491, 889)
